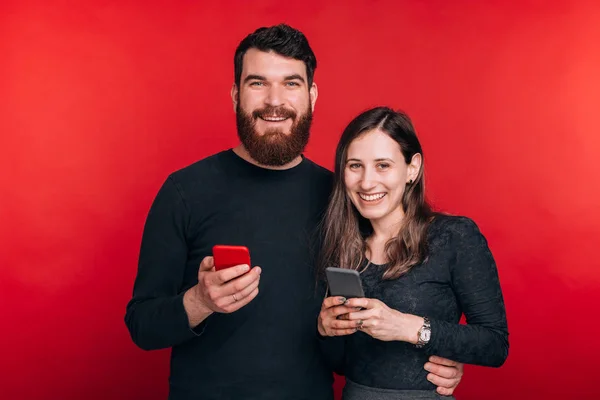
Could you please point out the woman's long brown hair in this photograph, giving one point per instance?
(345, 231)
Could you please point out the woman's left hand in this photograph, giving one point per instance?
(382, 322)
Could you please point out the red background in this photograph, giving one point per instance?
(100, 101)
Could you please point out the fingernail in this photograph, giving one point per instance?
(342, 300)
(429, 377)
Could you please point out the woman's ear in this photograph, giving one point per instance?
(414, 168)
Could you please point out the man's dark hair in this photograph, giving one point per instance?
(281, 39)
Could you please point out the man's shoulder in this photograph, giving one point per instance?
(205, 168)
(319, 171)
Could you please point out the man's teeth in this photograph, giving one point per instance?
(371, 197)
(274, 119)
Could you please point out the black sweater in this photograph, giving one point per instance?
(458, 277)
(268, 349)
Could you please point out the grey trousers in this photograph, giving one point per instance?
(355, 391)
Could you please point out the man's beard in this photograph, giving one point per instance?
(274, 147)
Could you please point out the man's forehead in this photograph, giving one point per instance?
(271, 65)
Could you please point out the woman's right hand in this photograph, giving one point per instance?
(331, 320)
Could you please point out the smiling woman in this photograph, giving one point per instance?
(420, 270)
(377, 176)
(380, 175)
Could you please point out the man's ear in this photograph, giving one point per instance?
(234, 96)
(314, 93)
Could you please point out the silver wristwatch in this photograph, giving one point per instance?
(424, 333)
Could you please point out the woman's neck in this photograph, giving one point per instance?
(388, 227)
(384, 229)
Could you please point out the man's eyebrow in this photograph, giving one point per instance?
(254, 78)
(294, 77)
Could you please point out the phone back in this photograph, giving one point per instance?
(226, 256)
(344, 282)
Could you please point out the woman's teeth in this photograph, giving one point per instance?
(371, 197)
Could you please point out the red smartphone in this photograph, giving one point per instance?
(226, 256)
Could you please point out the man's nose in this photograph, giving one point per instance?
(275, 96)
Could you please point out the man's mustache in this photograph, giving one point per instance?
(273, 112)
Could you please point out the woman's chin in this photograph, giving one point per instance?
(370, 214)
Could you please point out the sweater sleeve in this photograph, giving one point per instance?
(155, 316)
(333, 352)
(484, 340)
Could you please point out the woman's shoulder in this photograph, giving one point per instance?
(453, 227)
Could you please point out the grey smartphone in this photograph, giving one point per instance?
(344, 282)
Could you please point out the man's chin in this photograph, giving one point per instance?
(271, 134)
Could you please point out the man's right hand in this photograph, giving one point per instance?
(222, 291)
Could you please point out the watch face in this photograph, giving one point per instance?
(425, 335)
